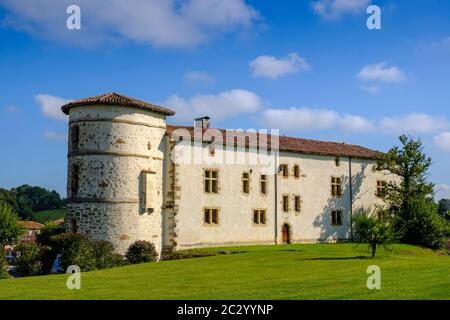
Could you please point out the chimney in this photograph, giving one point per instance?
(202, 122)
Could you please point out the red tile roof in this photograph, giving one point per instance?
(31, 225)
(116, 99)
(299, 145)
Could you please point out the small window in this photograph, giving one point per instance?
(263, 183)
(296, 171)
(298, 203)
(74, 180)
(259, 216)
(211, 181)
(246, 182)
(75, 136)
(381, 188)
(337, 161)
(285, 170)
(336, 217)
(74, 225)
(286, 203)
(336, 187)
(211, 216)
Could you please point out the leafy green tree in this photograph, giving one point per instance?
(10, 230)
(48, 238)
(374, 229)
(410, 163)
(423, 225)
(3, 265)
(444, 208)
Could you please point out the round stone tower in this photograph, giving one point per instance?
(115, 169)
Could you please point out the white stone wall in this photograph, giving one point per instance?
(312, 224)
(116, 144)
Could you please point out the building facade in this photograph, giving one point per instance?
(126, 181)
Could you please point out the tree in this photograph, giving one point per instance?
(10, 230)
(29, 262)
(375, 229)
(444, 208)
(77, 250)
(411, 164)
(410, 200)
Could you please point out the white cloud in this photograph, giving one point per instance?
(333, 9)
(55, 136)
(413, 123)
(227, 104)
(162, 23)
(11, 109)
(443, 141)
(272, 67)
(442, 191)
(381, 72)
(198, 76)
(51, 106)
(313, 119)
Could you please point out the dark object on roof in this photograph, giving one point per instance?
(299, 145)
(116, 99)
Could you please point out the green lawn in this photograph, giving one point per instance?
(258, 272)
(49, 215)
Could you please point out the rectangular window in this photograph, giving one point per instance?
(211, 216)
(286, 203)
(74, 180)
(263, 184)
(296, 171)
(211, 181)
(298, 204)
(381, 188)
(337, 161)
(285, 170)
(246, 182)
(259, 216)
(147, 188)
(336, 187)
(336, 217)
(75, 136)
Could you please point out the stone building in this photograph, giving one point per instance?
(125, 182)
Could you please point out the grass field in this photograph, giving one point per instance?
(258, 272)
(49, 215)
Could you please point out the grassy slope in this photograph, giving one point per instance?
(261, 272)
(49, 215)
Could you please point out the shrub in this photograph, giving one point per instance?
(374, 229)
(141, 251)
(422, 225)
(10, 230)
(77, 250)
(3, 266)
(105, 255)
(29, 262)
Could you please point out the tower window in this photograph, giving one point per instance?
(246, 182)
(211, 181)
(336, 218)
(75, 136)
(74, 180)
(336, 186)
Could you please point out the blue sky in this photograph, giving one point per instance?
(310, 68)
